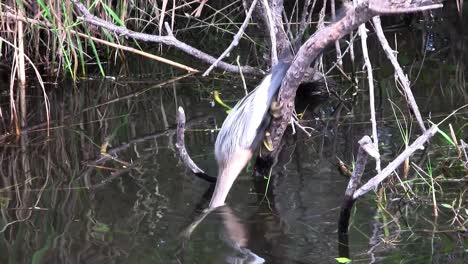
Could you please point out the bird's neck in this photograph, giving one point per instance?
(227, 174)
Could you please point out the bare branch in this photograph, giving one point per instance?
(271, 26)
(364, 145)
(107, 43)
(313, 47)
(339, 59)
(370, 78)
(401, 76)
(260, 15)
(309, 51)
(169, 40)
(376, 180)
(348, 201)
(402, 6)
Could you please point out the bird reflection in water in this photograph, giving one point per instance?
(233, 233)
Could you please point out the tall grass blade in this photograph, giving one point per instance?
(96, 54)
(113, 15)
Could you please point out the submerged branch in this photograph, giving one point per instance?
(365, 146)
(180, 145)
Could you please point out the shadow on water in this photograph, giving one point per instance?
(107, 186)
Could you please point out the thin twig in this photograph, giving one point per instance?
(39, 79)
(235, 40)
(398, 70)
(339, 59)
(244, 85)
(303, 23)
(271, 26)
(139, 52)
(370, 78)
(400, 7)
(139, 93)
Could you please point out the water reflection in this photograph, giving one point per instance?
(233, 233)
(107, 186)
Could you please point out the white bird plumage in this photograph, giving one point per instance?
(243, 130)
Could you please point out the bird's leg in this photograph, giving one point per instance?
(267, 142)
(275, 112)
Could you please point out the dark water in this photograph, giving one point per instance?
(64, 202)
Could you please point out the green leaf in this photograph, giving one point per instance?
(44, 7)
(217, 99)
(81, 54)
(447, 205)
(343, 260)
(447, 137)
(96, 54)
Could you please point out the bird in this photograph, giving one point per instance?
(243, 130)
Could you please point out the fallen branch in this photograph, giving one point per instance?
(417, 144)
(366, 148)
(169, 40)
